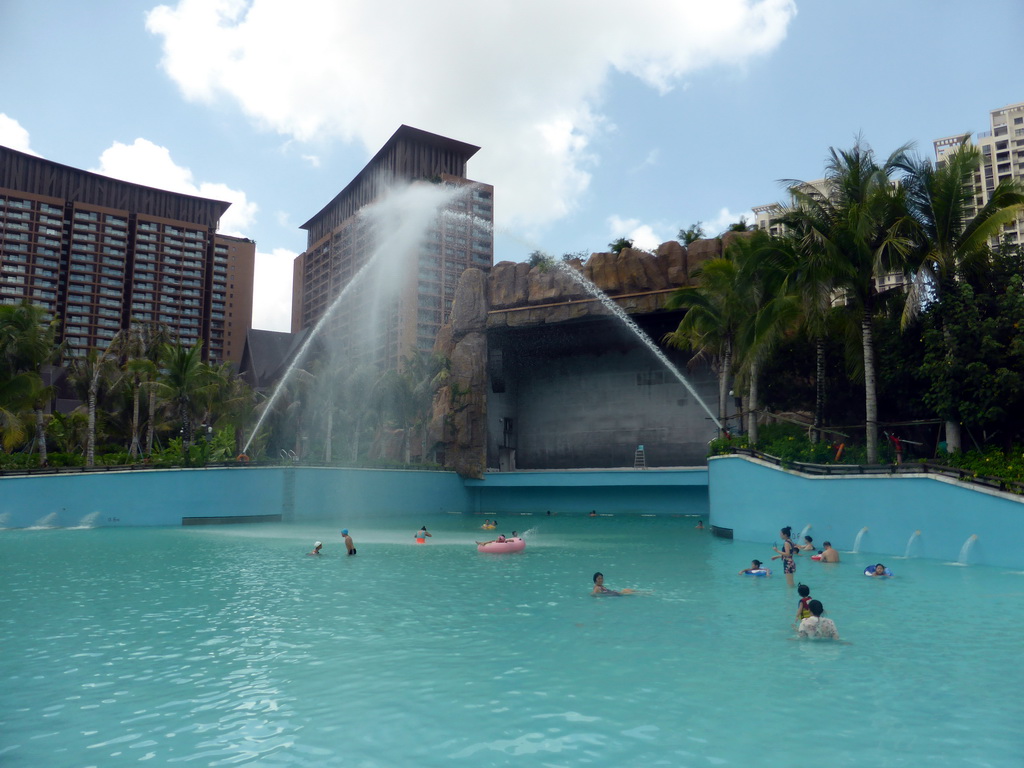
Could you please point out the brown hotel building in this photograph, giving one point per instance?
(100, 254)
(339, 242)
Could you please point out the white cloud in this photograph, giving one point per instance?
(723, 220)
(642, 235)
(522, 79)
(13, 135)
(144, 162)
(272, 290)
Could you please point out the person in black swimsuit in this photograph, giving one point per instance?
(787, 554)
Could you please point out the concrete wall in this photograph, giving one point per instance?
(755, 500)
(593, 410)
(663, 492)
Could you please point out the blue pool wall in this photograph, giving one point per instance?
(748, 497)
(755, 499)
(164, 497)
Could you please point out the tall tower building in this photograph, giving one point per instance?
(340, 242)
(1002, 159)
(99, 254)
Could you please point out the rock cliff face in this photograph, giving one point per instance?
(516, 295)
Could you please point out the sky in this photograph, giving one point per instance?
(596, 119)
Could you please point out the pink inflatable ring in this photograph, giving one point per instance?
(499, 547)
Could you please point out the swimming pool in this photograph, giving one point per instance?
(227, 646)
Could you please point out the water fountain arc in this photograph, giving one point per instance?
(631, 325)
(965, 550)
(857, 541)
(910, 543)
(413, 206)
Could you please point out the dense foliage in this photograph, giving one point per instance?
(147, 399)
(886, 316)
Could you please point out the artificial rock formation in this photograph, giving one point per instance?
(516, 294)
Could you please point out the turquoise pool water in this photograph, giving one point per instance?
(227, 646)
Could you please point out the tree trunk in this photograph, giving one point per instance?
(186, 431)
(723, 390)
(953, 438)
(752, 405)
(41, 437)
(90, 440)
(151, 426)
(135, 449)
(819, 389)
(870, 391)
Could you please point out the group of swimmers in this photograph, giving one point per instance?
(791, 550)
(811, 623)
(421, 538)
(349, 546)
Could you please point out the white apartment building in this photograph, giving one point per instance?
(1002, 158)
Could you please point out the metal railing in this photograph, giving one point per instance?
(911, 468)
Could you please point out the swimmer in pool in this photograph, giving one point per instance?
(815, 626)
(316, 549)
(829, 555)
(802, 609)
(500, 540)
(601, 589)
(755, 565)
(808, 545)
(880, 571)
(348, 542)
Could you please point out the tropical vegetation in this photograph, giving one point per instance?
(889, 285)
(148, 399)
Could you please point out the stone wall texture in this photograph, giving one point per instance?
(518, 295)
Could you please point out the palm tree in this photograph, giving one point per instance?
(139, 368)
(89, 375)
(810, 279)
(771, 310)
(714, 310)
(16, 393)
(358, 391)
(27, 343)
(860, 226)
(953, 233)
(184, 381)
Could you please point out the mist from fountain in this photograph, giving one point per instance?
(398, 223)
(857, 541)
(577, 277)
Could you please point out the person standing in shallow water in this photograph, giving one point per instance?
(815, 626)
(348, 542)
(787, 554)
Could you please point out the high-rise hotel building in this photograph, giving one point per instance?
(340, 241)
(100, 254)
(1002, 159)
